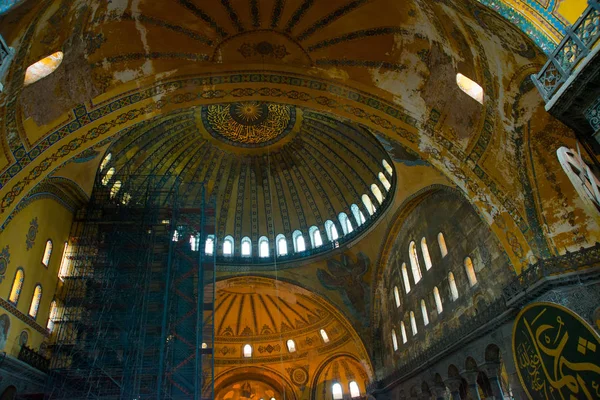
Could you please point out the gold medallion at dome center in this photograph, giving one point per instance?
(249, 124)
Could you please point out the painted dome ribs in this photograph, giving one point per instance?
(276, 304)
(292, 189)
(255, 13)
(298, 15)
(331, 17)
(282, 301)
(300, 154)
(239, 203)
(281, 199)
(204, 16)
(227, 194)
(357, 35)
(262, 301)
(240, 311)
(225, 314)
(235, 20)
(276, 14)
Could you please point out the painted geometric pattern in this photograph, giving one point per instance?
(31, 233)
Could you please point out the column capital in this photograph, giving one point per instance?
(453, 384)
(470, 376)
(491, 369)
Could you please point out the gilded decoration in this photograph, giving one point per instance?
(31, 233)
(556, 353)
(248, 124)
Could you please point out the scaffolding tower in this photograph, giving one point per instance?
(137, 310)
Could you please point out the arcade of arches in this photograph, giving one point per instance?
(376, 185)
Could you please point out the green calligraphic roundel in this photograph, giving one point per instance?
(557, 353)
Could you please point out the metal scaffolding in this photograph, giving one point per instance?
(136, 318)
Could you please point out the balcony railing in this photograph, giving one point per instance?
(577, 44)
(33, 358)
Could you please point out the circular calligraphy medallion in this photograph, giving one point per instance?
(556, 352)
(248, 124)
(299, 376)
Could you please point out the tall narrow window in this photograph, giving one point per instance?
(315, 237)
(387, 167)
(425, 251)
(42, 68)
(228, 246)
(377, 193)
(246, 247)
(397, 296)
(394, 340)
(291, 345)
(438, 300)
(332, 233)
(414, 262)
(324, 336)
(126, 198)
(470, 270)
(384, 181)
(35, 301)
(64, 262)
(354, 390)
(105, 161)
(424, 312)
(263, 247)
(403, 332)
(368, 204)
(413, 323)
(15, 290)
(470, 87)
(209, 246)
(336, 391)
(115, 189)
(52, 316)
(345, 223)
(194, 242)
(108, 176)
(176, 236)
(281, 245)
(247, 351)
(47, 253)
(453, 288)
(299, 243)
(358, 215)
(442, 243)
(405, 278)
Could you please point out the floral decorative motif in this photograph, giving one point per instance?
(32, 233)
(263, 49)
(4, 260)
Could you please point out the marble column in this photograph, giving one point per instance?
(439, 392)
(454, 385)
(492, 370)
(471, 378)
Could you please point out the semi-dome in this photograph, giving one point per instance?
(284, 180)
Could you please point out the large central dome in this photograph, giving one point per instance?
(248, 124)
(274, 171)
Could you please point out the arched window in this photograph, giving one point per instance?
(442, 243)
(115, 189)
(414, 262)
(281, 245)
(403, 331)
(209, 245)
(247, 351)
(345, 223)
(425, 251)
(42, 68)
(176, 236)
(52, 316)
(397, 296)
(126, 198)
(246, 247)
(107, 177)
(263, 247)
(47, 253)
(194, 242)
(63, 270)
(354, 390)
(384, 181)
(470, 270)
(228, 246)
(315, 237)
(105, 161)
(470, 87)
(336, 390)
(394, 340)
(405, 278)
(15, 290)
(377, 193)
(291, 345)
(452, 284)
(387, 167)
(35, 301)
(299, 243)
(438, 300)
(368, 204)
(359, 217)
(324, 336)
(424, 312)
(332, 233)
(413, 323)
